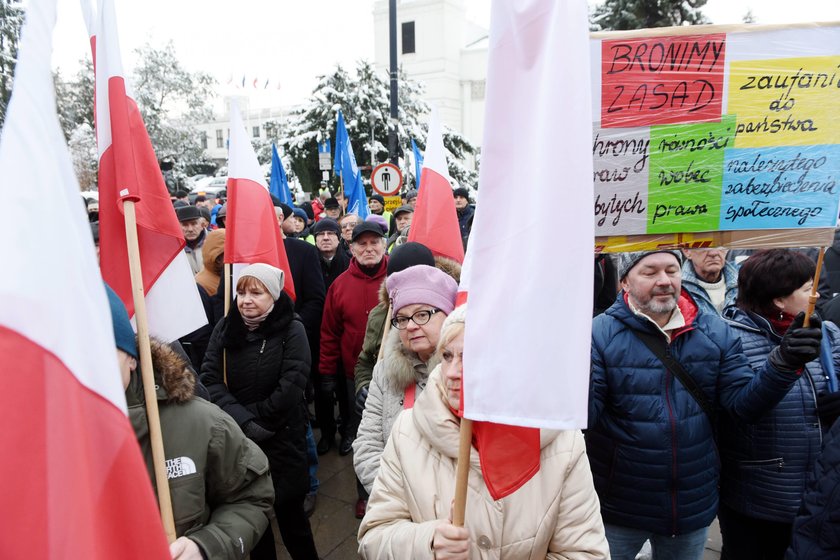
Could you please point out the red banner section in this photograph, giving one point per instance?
(662, 80)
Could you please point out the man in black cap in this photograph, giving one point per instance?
(332, 209)
(402, 219)
(333, 260)
(376, 203)
(192, 224)
(465, 210)
(349, 301)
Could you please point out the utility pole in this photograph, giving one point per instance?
(392, 125)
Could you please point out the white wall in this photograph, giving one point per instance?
(449, 55)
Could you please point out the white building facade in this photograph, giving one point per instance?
(215, 134)
(439, 47)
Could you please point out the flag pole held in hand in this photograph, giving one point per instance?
(812, 299)
(462, 473)
(144, 346)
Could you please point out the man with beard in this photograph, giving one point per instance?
(662, 369)
(710, 279)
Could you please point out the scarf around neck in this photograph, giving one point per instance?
(252, 324)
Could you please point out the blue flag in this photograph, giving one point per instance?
(418, 163)
(345, 167)
(340, 139)
(279, 185)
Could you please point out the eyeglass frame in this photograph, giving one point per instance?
(431, 312)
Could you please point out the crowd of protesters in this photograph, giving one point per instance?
(713, 394)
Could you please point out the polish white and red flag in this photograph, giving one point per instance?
(529, 280)
(252, 231)
(435, 221)
(129, 170)
(73, 482)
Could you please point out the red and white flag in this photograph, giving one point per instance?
(530, 280)
(435, 221)
(253, 234)
(129, 170)
(72, 480)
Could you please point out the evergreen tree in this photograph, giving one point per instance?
(641, 14)
(11, 20)
(314, 122)
(364, 99)
(172, 101)
(75, 98)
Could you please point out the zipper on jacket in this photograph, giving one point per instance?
(816, 407)
(263, 346)
(668, 377)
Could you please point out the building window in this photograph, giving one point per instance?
(204, 140)
(408, 37)
(477, 90)
(256, 132)
(220, 138)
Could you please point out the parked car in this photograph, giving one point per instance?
(209, 188)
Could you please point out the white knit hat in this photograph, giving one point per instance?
(271, 277)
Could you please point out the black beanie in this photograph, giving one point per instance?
(379, 198)
(409, 254)
(288, 212)
(325, 224)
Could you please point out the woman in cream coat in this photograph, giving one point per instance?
(554, 515)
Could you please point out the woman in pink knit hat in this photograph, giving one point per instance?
(421, 298)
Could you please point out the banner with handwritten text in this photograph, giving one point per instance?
(717, 132)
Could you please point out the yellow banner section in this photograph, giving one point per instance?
(746, 239)
(785, 102)
(392, 203)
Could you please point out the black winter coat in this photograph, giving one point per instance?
(267, 370)
(816, 530)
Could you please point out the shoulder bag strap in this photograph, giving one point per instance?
(656, 345)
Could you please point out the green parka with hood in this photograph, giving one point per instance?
(220, 483)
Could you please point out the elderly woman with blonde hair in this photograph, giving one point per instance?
(554, 515)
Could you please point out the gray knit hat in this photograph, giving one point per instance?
(270, 276)
(627, 261)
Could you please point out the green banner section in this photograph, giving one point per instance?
(686, 175)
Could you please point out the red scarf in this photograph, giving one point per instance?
(781, 322)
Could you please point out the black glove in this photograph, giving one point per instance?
(799, 345)
(828, 408)
(327, 384)
(361, 398)
(256, 433)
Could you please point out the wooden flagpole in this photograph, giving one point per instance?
(462, 473)
(152, 414)
(228, 291)
(812, 299)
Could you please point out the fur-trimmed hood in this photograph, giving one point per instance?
(174, 380)
(400, 361)
(449, 266)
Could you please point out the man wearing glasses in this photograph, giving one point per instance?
(710, 279)
(348, 223)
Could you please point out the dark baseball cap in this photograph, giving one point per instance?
(366, 227)
(403, 209)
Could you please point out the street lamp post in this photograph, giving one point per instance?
(372, 119)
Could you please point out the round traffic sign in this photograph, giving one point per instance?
(386, 179)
